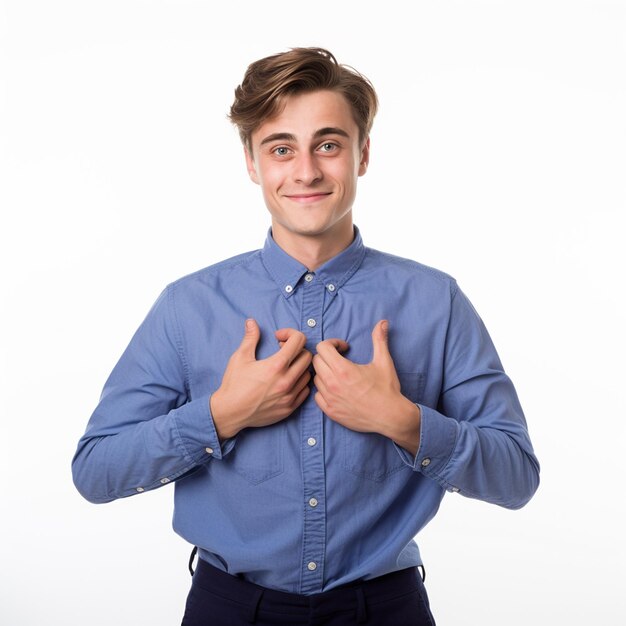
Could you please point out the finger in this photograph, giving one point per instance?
(380, 341)
(321, 403)
(283, 334)
(322, 369)
(299, 367)
(320, 386)
(301, 383)
(329, 350)
(301, 362)
(251, 337)
(301, 397)
(339, 344)
(291, 342)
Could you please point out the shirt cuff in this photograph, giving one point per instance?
(196, 433)
(438, 436)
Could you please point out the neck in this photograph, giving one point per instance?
(313, 250)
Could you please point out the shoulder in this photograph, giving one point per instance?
(404, 269)
(216, 273)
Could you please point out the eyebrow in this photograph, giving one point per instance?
(322, 132)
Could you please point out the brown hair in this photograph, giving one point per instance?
(268, 81)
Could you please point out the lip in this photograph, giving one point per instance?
(308, 198)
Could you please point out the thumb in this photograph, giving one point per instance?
(251, 337)
(380, 336)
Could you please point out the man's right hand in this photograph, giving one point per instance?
(259, 393)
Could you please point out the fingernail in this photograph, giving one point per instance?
(249, 324)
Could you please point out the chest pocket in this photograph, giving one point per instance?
(259, 453)
(373, 456)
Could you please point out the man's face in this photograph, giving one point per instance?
(307, 160)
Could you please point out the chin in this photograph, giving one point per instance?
(315, 229)
(308, 232)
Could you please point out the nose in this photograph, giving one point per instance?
(306, 169)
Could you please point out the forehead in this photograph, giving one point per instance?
(303, 115)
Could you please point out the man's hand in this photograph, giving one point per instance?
(366, 398)
(260, 393)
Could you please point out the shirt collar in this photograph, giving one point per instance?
(287, 272)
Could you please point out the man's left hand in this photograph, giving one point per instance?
(366, 398)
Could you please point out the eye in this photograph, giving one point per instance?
(328, 146)
(281, 151)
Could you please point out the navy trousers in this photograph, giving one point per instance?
(219, 599)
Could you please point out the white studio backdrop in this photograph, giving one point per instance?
(498, 156)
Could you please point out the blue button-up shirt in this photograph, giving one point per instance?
(306, 505)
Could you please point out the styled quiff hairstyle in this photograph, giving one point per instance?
(269, 81)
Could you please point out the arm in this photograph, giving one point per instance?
(475, 441)
(146, 432)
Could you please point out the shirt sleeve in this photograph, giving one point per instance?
(145, 431)
(476, 440)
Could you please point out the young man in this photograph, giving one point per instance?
(315, 399)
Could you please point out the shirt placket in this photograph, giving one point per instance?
(312, 449)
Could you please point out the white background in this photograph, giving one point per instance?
(498, 156)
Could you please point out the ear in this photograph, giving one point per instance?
(365, 157)
(254, 177)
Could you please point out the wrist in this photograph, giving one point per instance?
(225, 424)
(406, 426)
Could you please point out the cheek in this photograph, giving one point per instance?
(270, 178)
(348, 179)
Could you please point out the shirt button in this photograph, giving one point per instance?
(209, 450)
(425, 462)
(308, 278)
(313, 502)
(455, 490)
(140, 489)
(331, 287)
(311, 441)
(288, 288)
(312, 566)
(164, 481)
(311, 322)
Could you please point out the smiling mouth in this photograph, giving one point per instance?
(306, 198)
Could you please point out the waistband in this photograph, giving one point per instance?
(353, 596)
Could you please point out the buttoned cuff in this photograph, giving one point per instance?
(196, 433)
(438, 436)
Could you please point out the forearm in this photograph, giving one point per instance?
(115, 461)
(473, 438)
(494, 463)
(403, 424)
